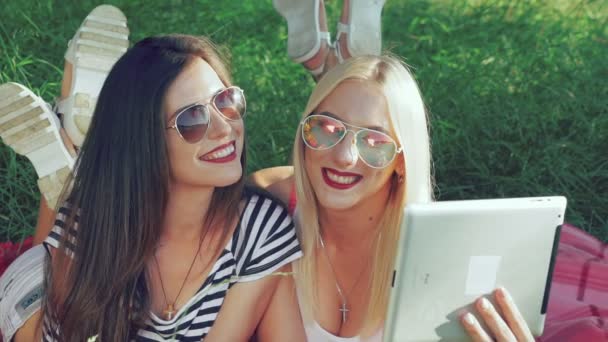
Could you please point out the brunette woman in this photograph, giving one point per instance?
(158, 239)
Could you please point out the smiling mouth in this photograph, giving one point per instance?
(340, 180)
(221, 154)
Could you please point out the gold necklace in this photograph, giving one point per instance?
(170, 309)
(344, 307)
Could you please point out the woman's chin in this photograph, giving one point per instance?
(227, 179)
(330, 203)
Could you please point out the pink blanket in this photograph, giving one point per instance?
(578, 303)
(9, 251)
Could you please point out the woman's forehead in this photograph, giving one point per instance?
(357, 102)
(197, 82)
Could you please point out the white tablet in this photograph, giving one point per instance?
(451, 253)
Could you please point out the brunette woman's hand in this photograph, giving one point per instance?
(510, 326)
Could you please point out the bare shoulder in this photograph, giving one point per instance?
(282, 189)
(276, 180)
(265, 177)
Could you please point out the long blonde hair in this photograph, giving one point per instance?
(409, 121)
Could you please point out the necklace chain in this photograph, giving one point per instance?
(170, 309)
(344, 296)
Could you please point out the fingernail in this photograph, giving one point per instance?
(505, 294)
(469, 319)
(485, 304)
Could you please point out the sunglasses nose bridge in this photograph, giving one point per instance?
(346, 152)
(218, 126)
(353, 139)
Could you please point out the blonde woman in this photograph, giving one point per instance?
(361, 153)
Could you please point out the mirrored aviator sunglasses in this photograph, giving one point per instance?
(193, 121)
(322, 132)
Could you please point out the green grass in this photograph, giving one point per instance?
(517, 91)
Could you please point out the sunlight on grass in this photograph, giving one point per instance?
(517, 91)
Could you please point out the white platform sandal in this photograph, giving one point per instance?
(321, 68)
(101, 39)
(304, 35)
(364, 31)
(31, 129)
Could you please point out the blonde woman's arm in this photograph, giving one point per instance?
(276, 180)
(282, 320)
(266, 246)
(247, 304)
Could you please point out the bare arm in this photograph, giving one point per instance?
(46, 220)
(282, 320)
(243, 309)
(276, 180)
(31, 330)
(265, 178)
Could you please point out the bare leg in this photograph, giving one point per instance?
(330, 61)
(66, 83)
(319, 59)
(66, 88)
(46, 215)
(308, 40)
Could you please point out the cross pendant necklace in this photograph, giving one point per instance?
(344, 310)
(169, 312)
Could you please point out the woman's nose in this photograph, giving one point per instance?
(219, 126)
(345, 153)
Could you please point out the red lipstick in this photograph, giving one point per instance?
(225, 159)
(336, 185)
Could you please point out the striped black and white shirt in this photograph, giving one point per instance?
(264, 240)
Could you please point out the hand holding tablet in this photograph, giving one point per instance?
(454, 255)
(510, 326)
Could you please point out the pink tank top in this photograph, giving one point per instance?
(291, 206)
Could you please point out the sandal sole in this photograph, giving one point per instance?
(28, 127)
(99, 42)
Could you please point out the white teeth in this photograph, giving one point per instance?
(341, 179)
(226, 151)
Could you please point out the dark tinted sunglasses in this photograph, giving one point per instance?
(193, 121)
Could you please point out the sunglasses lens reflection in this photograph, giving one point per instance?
(322, 132)
(231, 103)
(192, 123)
(375, 148)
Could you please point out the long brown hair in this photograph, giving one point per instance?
(96, 282)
